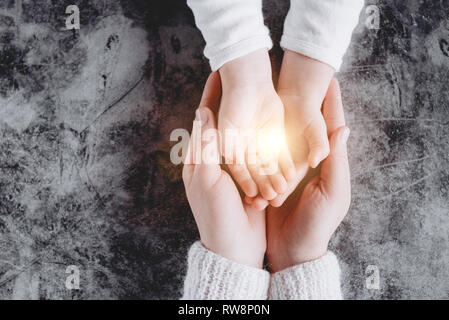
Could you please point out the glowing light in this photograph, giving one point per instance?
(269, 145)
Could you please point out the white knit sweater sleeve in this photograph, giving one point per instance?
(321, 29)
(231, 28)
(316, 280)
(212, 277)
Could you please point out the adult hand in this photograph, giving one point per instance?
(300, 230)
(227, 226)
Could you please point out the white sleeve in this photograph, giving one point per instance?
(231, 28)
(315, 280)
(321, 29)
(212, 277)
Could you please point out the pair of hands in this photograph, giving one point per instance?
(250, 102)
(294, 233)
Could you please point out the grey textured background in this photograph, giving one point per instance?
(85, 176)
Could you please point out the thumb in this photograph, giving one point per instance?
(209, 102)
(316, 136)
(335, 175)
(207, 158)
(212, 92)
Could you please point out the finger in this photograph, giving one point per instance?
(262, 181)
(287, 165)
(212, 92)
(259, 203)
(272, 170)
(333, 111)
(278, 182)
(278, 201)
(192, 153)
(243, 178)
(249, 200)
(316, 136)
(233, 151)
(188, 168)
(210, 99)
(207, 169)
(300, 174)
(335, 176)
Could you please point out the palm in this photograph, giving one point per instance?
(235, 219)
(254, 114)
(297, 219)
(226, 199)
(295, 131)
(252, 110)
(285, 223)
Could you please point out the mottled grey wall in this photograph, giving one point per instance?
(85, 176)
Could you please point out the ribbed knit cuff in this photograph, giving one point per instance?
(212, 277)
(315, 280)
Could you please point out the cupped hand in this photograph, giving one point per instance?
(227, 226)
(250, 106)
(302, 86)
(301, 229)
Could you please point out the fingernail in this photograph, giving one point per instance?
(345, 135)
(201, 115)
(197, 115)
(315, 161)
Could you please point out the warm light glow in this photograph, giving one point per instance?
(269, 144)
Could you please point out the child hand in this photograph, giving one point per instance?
(226, 226)
(251, 104)
(303, 83)
(300, 230)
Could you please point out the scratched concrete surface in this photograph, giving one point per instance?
(85, 176)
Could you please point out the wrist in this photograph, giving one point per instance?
(304, 77)
(251, 70)
(248, 257)
(285, 259)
